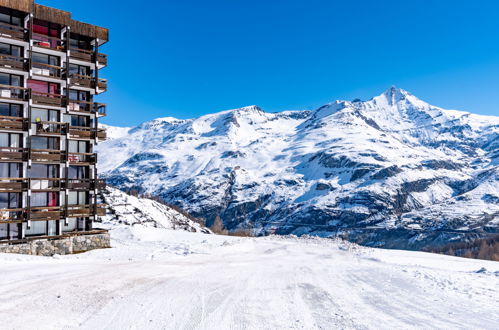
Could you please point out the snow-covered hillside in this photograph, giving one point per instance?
(131, 210)
(393, 171)
(155, 278)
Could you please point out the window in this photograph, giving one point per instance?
(78, 198)
(10, 16)
(78, 172)
(42, 142)
(45, 59)
(43, 171)
(10, 79)
(6, 49)
(76, 120)
(12, 110)
(46, 28)
(80, 69)
(43, 87)
(11, 140)
(39, 199)
(10, 170)
(78, 146)
(80, 42)
(10, 200)
(79, 95)
(10, 231)
(44, 115)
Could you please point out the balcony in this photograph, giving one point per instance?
(50, 128)
(81, 158)
(101, 134)
(16, 124)
(47, 70)
(80, 184)
(82, 81)
(13, 93)
(13, 185)
(45, 184)
(81, 106)
(81, 54)
(48, 42)
(11, 215)
(46, 156)
(101, 85)
(44, 213)
(13, 32)
(80, 132)
(100, 109)
(9, 154)
(56, 100)
(102, 59)
(13, 62)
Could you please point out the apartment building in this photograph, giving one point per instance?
(49, 77)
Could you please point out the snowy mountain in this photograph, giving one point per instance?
(133, 211)
(393, 171)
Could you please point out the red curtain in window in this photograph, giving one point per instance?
(43, 86)
(52, 199)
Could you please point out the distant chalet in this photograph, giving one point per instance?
(49, 74)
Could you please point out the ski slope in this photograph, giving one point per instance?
(156, 278)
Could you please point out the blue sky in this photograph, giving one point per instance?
(185, 58)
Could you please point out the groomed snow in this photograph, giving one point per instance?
(162, 279)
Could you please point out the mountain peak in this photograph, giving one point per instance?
(394, 95)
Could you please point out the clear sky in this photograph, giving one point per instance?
(185, 58)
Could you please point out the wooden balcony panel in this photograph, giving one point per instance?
(81, 106)
(44, 213)
(13, 184)
(101, 58)
(79, 184)
(79, 211)
(47, 70)
(81, 80)
(81, 54)
(13, 62)
(100, 184)
(101, 134)
(13, 92)
(47, 156)
(8, 154)
(12, 215)
(48, 99)
(82, 158)
(101, 210)
(81, 132)
(100, 109)
(13, 123)
(102, 84)
(13, 32)
(51, 128)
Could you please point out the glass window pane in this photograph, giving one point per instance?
(16, 110)
(16, 51)
(39, 115)
(16, 80)
(39, 199)
(4, 79)
(39, 142)
(4, 139)
(4, 49)
(40, 58)
(4, 170)
(53, 115)
(73, 146)
(15, 140)
(37, 171)
(4, 109)
(15, 170)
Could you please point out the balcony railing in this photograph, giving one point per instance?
(11, 215)
(81, 54)
(44, 213)
(13, 62)
(81, 132)
(51, 128)
(10, 154)
(100, 109)
(48, 99)
(85, 210)
(81, 80)
(80, 106)
(46, 156)
(44, 41)
(13, 92)
(82, 158)
(102, 84)
(13, 185)
(13, 123)
(101, 58)
(13, 31)
(47, 70)
(45, 184)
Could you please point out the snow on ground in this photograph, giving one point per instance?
(156, 278)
